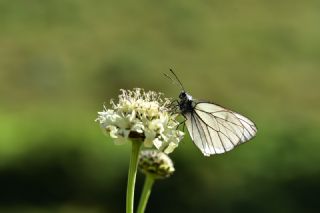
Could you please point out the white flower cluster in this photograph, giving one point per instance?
(144, 116)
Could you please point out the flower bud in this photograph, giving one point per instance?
(155, 163)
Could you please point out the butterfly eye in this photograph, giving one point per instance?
(182, 95)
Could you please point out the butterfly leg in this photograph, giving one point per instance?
(182, 123)
(173, 106)
(174, 103)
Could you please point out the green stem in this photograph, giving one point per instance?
(136, 145)
(148, 183)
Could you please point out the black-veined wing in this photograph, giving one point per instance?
(216, 130)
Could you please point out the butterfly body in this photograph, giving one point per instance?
(186, 103)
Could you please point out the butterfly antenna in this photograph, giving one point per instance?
(173, 81)
(168, 77)
(177, 80)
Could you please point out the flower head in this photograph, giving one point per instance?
(155, 163)
(144, 116)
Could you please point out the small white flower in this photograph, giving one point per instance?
(144, 116)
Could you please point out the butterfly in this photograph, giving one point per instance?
(213, 128)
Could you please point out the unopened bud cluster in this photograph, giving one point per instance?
(155, 163)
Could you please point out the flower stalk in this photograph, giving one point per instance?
(147, 187)
(155, 165)
(136, 145)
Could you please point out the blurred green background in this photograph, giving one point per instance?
(61, 60)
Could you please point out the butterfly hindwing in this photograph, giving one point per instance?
(216, 130)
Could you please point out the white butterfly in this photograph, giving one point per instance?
(214, 129)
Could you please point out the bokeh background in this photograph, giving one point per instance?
(61, 60)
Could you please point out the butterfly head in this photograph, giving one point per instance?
(185, 96)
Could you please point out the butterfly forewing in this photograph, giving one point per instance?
(199, 134)
(216, 130)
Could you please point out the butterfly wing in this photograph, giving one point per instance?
(216, 130)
